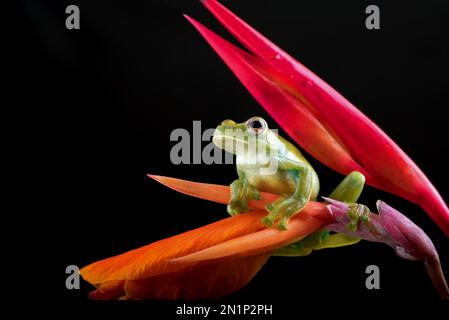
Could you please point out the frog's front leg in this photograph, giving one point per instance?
(241, 192)
(287, 206)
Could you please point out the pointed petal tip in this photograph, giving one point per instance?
(338, 214)
(193, 22)
(336, 203)
(156, 177)
(379, 204)
(199, 27)
(384, 209)
(332, 210)
(190, 19)
(330, 200)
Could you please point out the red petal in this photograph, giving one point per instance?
(371, 151)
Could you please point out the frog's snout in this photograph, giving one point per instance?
(228, 122)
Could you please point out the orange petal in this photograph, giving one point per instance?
(211, 192)
(108, 291)
(208, 281)
(149, 272)
(220, 193)
(311, 219)
(153, 259)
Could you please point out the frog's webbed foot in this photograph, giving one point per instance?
(241, 192)
(283, 209)
(357, 213)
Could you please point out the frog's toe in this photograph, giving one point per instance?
(285, 216)
(256, 194)
(283, 210)
(282, 225)
(271, 206)
(231, 210)
(267, 221)
(236, 207)
(357, 213)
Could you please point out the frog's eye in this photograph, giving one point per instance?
(256, 125)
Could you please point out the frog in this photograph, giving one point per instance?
(266, 162)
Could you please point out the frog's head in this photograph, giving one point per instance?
(250, 136)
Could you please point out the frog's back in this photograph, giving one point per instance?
(296, 155)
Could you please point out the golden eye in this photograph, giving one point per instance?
(256, 125)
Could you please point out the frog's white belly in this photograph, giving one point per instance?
(279, 182)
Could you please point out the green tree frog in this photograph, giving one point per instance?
(267, 162)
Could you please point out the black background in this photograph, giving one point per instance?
(113, 91)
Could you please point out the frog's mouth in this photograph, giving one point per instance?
(228, 143)
(228, 140)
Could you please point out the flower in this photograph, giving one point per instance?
(220, 258)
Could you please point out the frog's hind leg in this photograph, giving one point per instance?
(348, 190)
(287, 206)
